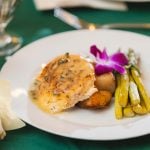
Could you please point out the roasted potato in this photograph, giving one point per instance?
(106, 82)
(99, 99)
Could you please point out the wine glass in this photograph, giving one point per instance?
(9, 43)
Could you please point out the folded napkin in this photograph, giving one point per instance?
(99, 4)
(8, 120)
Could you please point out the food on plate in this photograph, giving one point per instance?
(118, 109)
(141, 88)
(8, 120)
(133, 92)
(124, 88)
(131, 97)
(106, 82)
(140, 108)
(99, 99)
(63, 82)
(128, 111)
(71, 80)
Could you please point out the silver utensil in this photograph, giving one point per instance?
(78, 23)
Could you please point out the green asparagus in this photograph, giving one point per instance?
(118, 108)
(133, 92)
(124, 89)
(141, 88)
(128, 112)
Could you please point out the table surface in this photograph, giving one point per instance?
(32, 25)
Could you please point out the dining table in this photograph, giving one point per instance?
(32, 25)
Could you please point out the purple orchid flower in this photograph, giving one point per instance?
(105, 63)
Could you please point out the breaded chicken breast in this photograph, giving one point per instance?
(63, 82)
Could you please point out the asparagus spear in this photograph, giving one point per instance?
(128, 112)
(133, 92)
(136, 76)
(140, 109)
(118, 108)
(141, 88)
(133, 59)
(124, 89)
(131, 83)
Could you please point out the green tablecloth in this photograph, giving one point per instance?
(32, 25)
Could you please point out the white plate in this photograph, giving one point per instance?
(22, 67)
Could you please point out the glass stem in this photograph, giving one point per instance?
(4, 37)
(2, 30)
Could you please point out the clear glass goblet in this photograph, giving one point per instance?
(9, 43)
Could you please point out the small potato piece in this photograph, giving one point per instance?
(106, 82)
(99, 99)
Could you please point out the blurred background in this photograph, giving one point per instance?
(32, 24)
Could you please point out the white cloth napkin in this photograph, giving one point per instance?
(99, 4)
(8, 119)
